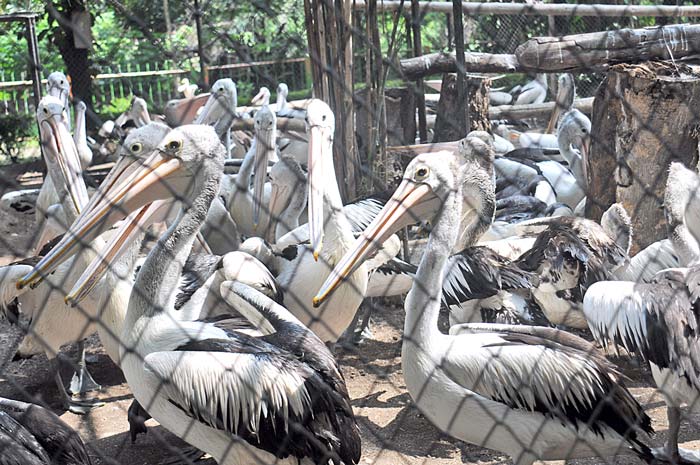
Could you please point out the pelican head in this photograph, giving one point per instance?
(139, 112)
(186, 157)
(428, 180)
(60, 153)
(286, 178)
(282, 93)
(220, 108)
(320, 125)
(262, 97)
(266, 135)
(58, 86)
(574, 132)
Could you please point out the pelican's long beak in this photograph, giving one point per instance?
(156, 178)
(130, 228)
(551, 126)
(585, 151)
(411, 202)
(320, 147)
(61, 152)
(263, 149)
(258, 99)
(278, 202)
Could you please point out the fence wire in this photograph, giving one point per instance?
(521, 286)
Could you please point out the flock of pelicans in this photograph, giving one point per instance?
(225, 331)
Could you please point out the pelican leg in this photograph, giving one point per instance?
(137, 417)
(355, 334)
(82, 379)
(77, 406)
(674, 424)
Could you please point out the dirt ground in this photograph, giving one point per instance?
(393, 431)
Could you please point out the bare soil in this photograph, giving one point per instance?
(393, 431)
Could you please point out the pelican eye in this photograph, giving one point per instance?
(422, 173)
(173, 145)
(220, 89)
(46, 110)
(136, 147)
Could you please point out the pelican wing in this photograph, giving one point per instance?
(251, 389)
(479, 272)
(658, 321)
(547, 371)
(18, 445)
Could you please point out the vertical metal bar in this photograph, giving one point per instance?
(420, 90)
(200, 46)
(461, 69)
(34, 61)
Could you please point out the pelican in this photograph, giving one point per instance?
(657, 320)
(33, 435)
(137, 114)
(534, 91)
(569, 256)
(50, 327)
(288, 197)
(51, 219)
(283, 109)
(220, 110)
(260, 401)
(532, 393)
(80, 136)
(186, 89)
(262, 98)
(573, 137)
(58, 86)
(184, 111)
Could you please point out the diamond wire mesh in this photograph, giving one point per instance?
(509, 390)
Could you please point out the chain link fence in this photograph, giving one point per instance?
(289, 276)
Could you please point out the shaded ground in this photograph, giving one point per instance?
(393, 431)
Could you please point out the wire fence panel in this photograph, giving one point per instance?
(312, 232)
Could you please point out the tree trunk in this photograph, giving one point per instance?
(329, 34)
(644, 117)
(76, 60)
(477, 103)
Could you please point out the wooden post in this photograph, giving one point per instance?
(476, 102)
(461, 114)
(644, 117)
(420, 88)
(34, 61)
(204, 84)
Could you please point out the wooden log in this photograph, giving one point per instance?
(535, 110)
(597, 50)
(575, 53)
(644, 117)
(437, 63)
(477, 105)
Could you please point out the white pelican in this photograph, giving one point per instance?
(283, 109)
(242, 399)
(50, 327)
(220, 110)
(262, 98)
(533, 393)
(137, 114)
(80, 136)
(58, 86)
(33, 435)
(288, 197)
(658, 320)
(534, 91)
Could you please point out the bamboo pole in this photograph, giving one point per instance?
(548, 9)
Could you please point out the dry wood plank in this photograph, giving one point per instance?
(438, 63)
(535, 110)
